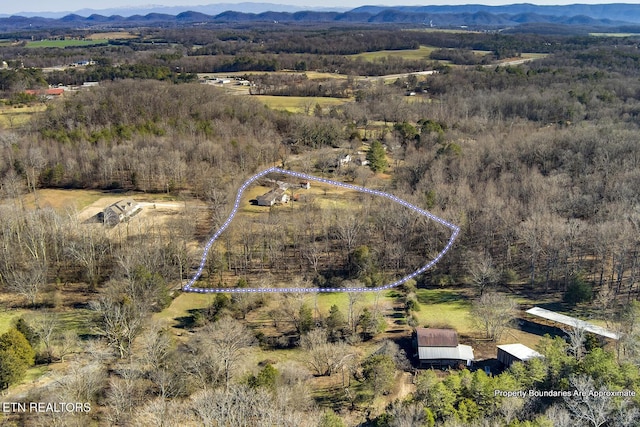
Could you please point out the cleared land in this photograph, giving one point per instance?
(298, 104)
(66, 43)
(112, 35)
(62, 200)
(614, 34)
(422, 52)
(13, 117)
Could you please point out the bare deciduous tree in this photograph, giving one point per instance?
(322, 357)
(227, 340)
(589, 405)
(28, 282)
(577, 335)
(483, 273)
(120, 320)
(493, 312)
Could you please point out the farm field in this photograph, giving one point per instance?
(111, 35)
(614, 34)
(62, 200)
(422, 52)
(66, 43)
(15, 117)
(298, 104)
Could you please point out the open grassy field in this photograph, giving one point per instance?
(422, 52)
(297, 104)
(61, 200)
(181, 305)
(111, 35)
(7, 317)
(614, 34)
(66, 43)
(444, 308)
(14, 117)
(533, 55)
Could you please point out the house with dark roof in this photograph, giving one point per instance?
(120, 211)
(275, 196)
(440, 347)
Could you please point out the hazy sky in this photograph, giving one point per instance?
(10, 7)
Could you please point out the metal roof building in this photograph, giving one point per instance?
(572, 322)
(440, 347)
(510, 353)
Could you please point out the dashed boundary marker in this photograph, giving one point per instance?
(189, 287)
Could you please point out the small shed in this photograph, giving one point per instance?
(510, 353)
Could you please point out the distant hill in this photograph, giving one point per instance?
(209, 9)
(581, 16)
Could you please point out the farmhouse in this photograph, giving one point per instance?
(440, 347)
(275, 196)
(344, 160)
(510, 353)
(120, 211)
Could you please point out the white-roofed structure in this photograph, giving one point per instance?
(510, 353)
(572, 322)
(440, 347)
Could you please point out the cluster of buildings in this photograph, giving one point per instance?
(225, 81)
(438, 348)
(57, 91)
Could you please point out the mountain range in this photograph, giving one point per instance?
(478, 16)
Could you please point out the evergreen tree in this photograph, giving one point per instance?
(15, 342)
(379, 372)
(28, 332)
(335, 322)
(12, 369)
(306, 319)
(377, 157)
(16, 355)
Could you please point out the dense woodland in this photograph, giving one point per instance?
(538, 163)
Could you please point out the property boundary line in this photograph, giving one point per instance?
(190, 288)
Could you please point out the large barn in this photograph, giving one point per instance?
(440, 347)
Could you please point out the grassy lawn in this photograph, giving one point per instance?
(297, 104)
(12, 117)
(444, 308)
(7, 317)
(341, 299)
(181, 306)
(34, 373)
(78, 319)
(62, 200)
(422, 52)
(66, 43)
(112, 35)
